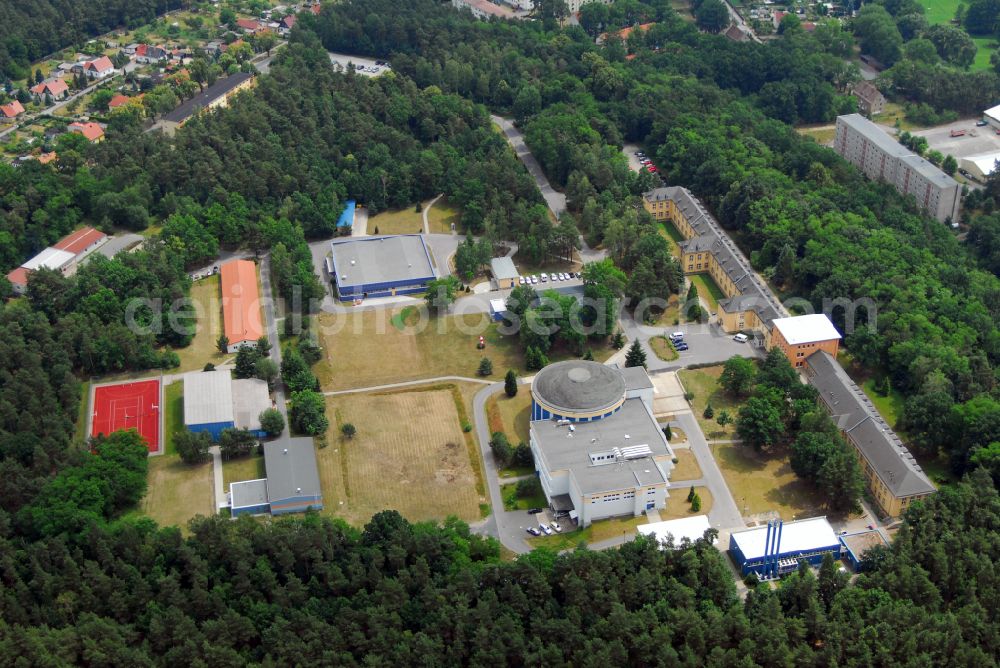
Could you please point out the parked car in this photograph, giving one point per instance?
(681, 346)
(555, 527)
(520, 280)
(534, 511)
(534, 280)
(981, 124)
(544, 278)
(545, 528)
(533, 531)
(676, 336)
(651, 169)
(741, 338)
(958, 133)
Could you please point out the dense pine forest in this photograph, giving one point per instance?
(82, 585)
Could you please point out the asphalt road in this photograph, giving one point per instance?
(271, 325)
(724, 514)
(555, 199)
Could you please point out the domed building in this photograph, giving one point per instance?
(598, 450)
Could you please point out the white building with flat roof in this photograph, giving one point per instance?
(685, 528)
(879, 156)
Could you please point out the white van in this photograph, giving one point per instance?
(677, 336)
(741, 338)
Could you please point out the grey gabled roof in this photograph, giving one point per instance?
(291, 469)
(710, 237)
(857, 417)
(250, 399)
(503, 268)
(206, 97)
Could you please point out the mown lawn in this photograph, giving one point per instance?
(366, 348)
(598, 531)
(177, 492)
(173, 415)
(512, 501)
(678, 506)
(708, 290)
(242, 468)
(704, 383)
(939, 11)
(890, 407)
(686, 467)
(663, 348)
(205, 297)
(84, 410)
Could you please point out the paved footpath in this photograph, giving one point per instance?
(724, 513)
(409, 383)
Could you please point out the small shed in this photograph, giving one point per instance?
(504, 272)
(498, 308)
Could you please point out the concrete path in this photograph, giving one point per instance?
(217, 481)
(359, 228)
(427, 225)
(724, 513)
(410, 383)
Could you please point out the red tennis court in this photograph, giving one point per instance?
(129, 406)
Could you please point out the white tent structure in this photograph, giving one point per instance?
(980, 166)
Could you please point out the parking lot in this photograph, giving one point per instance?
(368, 67)
(975, 141)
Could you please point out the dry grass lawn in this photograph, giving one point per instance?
(365, 348)
(510, 415)
(177, 491)
(705, 385)
(409, 454)
(663, 348)
(678, 506)
(763, 482)
(686, 467)
(410, 221)
(205, 296)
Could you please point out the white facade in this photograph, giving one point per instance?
(879, 156)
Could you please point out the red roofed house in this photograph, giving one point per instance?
(249, 25)
(315, 9)
(11, 111)
(92, 131)
(46, 158)
(241, 304)
(118, 100)
(288, 22)
(99, 68)
(56, 88)
(148, 53)
(19, 280)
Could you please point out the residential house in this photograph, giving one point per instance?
(92, 131)
(249, 26)
(870, 99)
(149, 53)
(56, 89)
(118, 100)
(9, 112)
(213, 48)
(99, 68)
(737, 33)
(287, 23)
(484, 9)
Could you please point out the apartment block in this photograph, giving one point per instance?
(879, 156)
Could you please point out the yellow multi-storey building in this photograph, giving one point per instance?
(893, 476)
(707, 249)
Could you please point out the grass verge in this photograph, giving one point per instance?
(663, 348)
(511, 501)
(173, 415)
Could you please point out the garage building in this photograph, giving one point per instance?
(383, 266)
(504, 272)
(214, 401)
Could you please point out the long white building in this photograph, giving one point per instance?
(879, 156)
